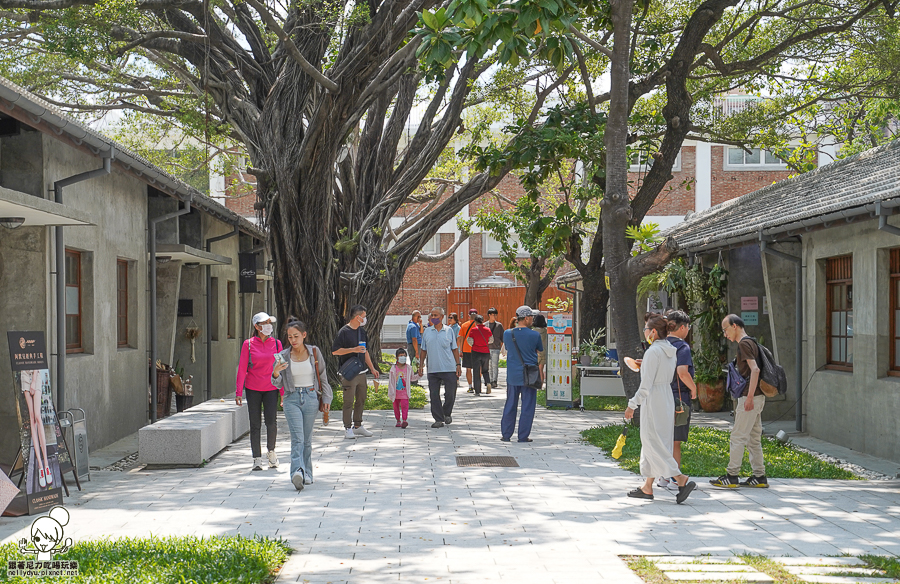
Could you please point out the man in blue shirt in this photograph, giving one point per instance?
(440, 349)
(522, 346)
(414, 335)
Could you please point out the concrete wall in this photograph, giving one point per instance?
(109, 382)
(21, 162)
(225, 351)
(857, 409)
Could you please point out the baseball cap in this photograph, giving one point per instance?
(524, 311)
(261, 317)
(473, 311)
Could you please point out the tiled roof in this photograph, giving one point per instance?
(842, 189)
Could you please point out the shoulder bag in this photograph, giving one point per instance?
(352, 366)
(682, 415)
(532, 373)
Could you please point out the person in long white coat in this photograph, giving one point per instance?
(654, 397)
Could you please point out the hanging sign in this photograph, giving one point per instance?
(43, 450)
(247, 263)
(559, 360)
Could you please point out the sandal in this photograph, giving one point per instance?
(685, 491)
(639, 494)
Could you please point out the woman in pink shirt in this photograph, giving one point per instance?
(255, 376)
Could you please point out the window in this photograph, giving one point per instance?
(214, 313)
(740, 157)
(492, 248)
(230, 290)
(433, 247)
(122, 302)
(895, 312)
(73, 302)
(641, 162)
(839, 299)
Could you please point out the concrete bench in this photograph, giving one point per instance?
(193, 436)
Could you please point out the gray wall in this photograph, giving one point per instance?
(108, 382)
(781, 290)
(856, 409)
(226, 351)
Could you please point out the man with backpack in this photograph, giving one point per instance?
(747, 431)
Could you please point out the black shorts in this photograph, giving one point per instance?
(467, 361)
(681, 432)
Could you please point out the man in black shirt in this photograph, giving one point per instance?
(351, 343)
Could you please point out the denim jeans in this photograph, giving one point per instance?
(526, 419)
(300, 409)
(495, 367)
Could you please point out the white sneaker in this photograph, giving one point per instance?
(307, 480)
(257, 463)
(662, 483)
(363, 432)
(297, 480)
(349, 435)
(273, 459)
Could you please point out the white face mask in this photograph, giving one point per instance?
(364, 321)
(267, 330)
(402, 360)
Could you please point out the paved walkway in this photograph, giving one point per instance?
(396, 506)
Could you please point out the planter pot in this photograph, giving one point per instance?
(585, 359)
(712, 397)
(183, 402)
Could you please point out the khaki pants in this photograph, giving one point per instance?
(747, 433)
(355, 388)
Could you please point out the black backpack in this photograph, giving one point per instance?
(772, 378)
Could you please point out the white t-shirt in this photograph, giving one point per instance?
(303, 373)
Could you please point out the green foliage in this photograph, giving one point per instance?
(377, 399)
(646, 236)
(187, 559)
(706, 455)
(593, 346)
(890, 565)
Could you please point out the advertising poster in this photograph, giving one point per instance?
(44, 454)
(559, 360)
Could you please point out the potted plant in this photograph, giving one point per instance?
(591, 351)
(709, 380)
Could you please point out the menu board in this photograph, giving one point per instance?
(559, 360)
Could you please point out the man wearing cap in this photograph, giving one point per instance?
(522, 346)
(466, 350)
(255, 377)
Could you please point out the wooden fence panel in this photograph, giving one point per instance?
(505, 300)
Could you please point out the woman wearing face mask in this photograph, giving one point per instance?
(654, 396)
(255, 376)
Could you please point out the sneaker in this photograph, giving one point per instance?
(297, 480)
(488, 388)
(471, 390)
(448, 420)
(726, 482)
(41, 480)
(437, 425)
(307, 480)
(273, 459)
(662, 483)
(360, 431)
(668, 484)
(257, 463)
(49, 475)
(349, 435)
(404, 424)
(756, 482)
(398, 424)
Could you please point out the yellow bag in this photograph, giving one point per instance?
(620, 443)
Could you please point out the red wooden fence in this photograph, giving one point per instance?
(505, 300)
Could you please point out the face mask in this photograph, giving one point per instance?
(267, 330)
(364, 321)
(434, 321)
(402, 360)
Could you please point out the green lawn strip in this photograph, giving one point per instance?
(890, 564)
(592, 403)
(378, 399)
(188, 560)
(705, 454)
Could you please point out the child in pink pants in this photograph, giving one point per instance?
(400, 377)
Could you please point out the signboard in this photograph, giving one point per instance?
(559, 360)
(44, 454)
(750, 318)
(749, 302)
(247, 263)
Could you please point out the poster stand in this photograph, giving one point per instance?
(559, 360)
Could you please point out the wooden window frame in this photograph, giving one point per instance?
(122, 303)
(832, 281)
(79, 346)
(894, 269)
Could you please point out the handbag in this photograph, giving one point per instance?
(682, 415)
(532, 373)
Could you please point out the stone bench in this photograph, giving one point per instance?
(194, 436)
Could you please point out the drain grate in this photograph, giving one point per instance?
(486, 461)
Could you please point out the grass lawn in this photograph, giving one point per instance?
(706, 455)
(649, 573)
(378, 399)
(190, 560)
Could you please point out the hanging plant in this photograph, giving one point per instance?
(192, 333)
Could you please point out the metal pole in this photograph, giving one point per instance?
(209, 243)
(799, 413)
(153, 323)
(60, 251)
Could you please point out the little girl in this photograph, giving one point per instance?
(399, 378)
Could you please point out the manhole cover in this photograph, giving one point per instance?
(486, 461)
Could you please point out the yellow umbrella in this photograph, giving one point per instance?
(620, 443)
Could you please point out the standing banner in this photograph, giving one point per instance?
(44, 454)
(559, 360)
(247, 263)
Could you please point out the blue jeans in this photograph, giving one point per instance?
(526, 419)
(300, 409)
(495, 367)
